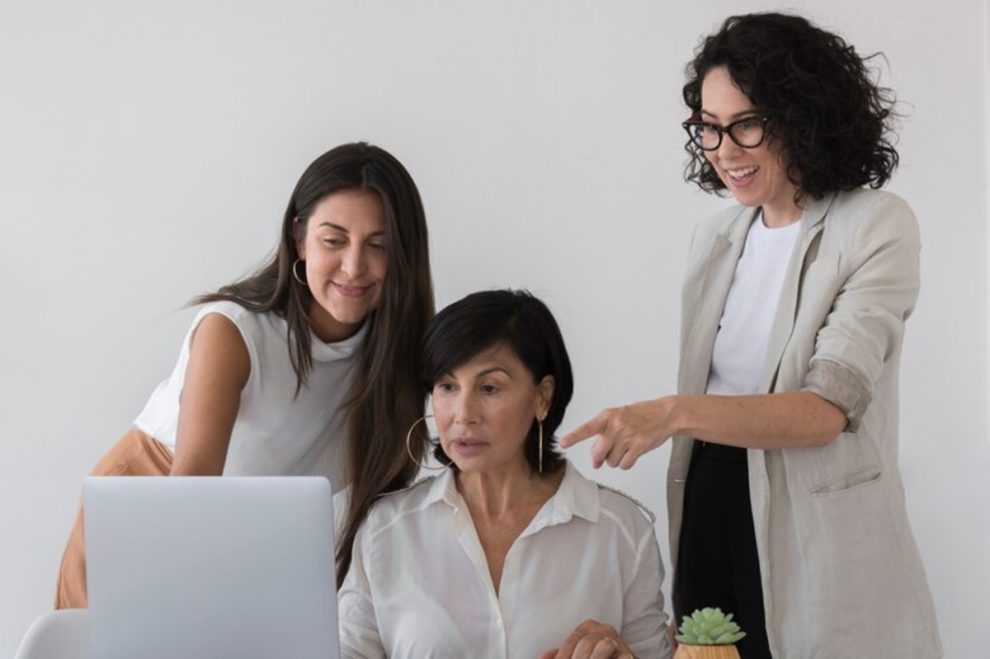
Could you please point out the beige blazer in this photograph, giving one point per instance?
(841, 573)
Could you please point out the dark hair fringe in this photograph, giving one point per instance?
(833, 120)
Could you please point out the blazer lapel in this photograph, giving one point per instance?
(709, 295)
(706, 288)
(812, 223)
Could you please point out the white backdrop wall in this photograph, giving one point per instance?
(147, 151)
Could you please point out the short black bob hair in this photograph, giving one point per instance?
(825, 108)
(525, 325)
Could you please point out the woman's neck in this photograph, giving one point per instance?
(506, 492)
(327, 328)
(502, 504)
(781, 213)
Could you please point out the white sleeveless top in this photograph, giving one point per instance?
(275, 433)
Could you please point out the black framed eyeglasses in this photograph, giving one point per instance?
(748, 132)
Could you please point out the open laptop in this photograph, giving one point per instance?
(210, 567)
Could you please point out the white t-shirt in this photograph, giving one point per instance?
(276, 433)
(419, 584)
(743, 335)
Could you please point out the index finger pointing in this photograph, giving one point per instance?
(583, 432)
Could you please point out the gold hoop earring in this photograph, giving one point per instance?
(409, 448)
(295, 275)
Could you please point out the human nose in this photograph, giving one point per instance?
(465, 409)
(354, 261)
(728, 147)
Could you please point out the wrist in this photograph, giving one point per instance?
(675, 412)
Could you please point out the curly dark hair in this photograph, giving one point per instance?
(825, 107)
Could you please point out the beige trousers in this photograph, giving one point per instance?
(136, 454)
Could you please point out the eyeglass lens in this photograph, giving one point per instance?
(747, 133)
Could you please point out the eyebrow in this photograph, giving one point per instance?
(337, 227)
(493, 369)
(737, 115)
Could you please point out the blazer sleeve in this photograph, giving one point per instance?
(865, 325)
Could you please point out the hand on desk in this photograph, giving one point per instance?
(591, 640)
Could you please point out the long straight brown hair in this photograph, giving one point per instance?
(385, 397)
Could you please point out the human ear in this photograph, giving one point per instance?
(545, 392)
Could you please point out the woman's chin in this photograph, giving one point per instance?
(469, 465)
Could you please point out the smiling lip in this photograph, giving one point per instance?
(351, 291)
(741, 176)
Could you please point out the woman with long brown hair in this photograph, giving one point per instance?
(307, 367)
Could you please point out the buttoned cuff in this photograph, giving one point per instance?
(841, 386)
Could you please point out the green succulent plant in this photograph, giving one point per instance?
(709, 627)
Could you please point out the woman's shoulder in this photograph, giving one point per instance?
(868, 216)
(625, 516)
(623, 506)
(867, 203)
(394, 506)
(253, 325)
(234, 311)
(633, 517)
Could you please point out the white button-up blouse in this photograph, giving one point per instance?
(419, 584)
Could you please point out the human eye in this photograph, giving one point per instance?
(749, 123)
(443, 387)
(334, 241)
(707, 134)
(490, 389)
(377, 246)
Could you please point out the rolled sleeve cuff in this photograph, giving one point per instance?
(841, 386)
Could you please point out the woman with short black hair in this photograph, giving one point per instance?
(510, 547)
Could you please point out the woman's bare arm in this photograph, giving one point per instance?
(218, 369)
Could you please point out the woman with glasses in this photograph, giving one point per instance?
(785, 502)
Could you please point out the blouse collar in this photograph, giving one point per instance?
(576, 497)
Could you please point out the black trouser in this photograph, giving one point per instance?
(717, 563)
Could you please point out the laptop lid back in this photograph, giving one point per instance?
(209, 567)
